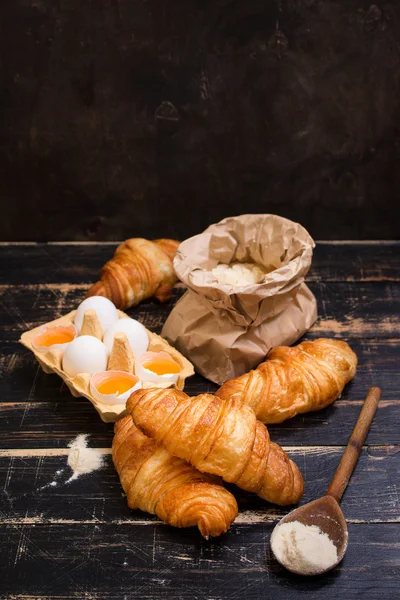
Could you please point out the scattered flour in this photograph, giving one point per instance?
(303, 548)
(51, 484)
(82, 459)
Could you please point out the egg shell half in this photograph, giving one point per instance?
(55, 328)
(113, 398)
(151, 377)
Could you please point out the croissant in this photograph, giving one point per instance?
(161, 484)
(217, 436)
(138, 270)
(295, 380)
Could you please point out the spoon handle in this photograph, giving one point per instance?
(354, 447)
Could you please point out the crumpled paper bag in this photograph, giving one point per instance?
(225, 331)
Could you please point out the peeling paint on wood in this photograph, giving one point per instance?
(36, 484)
(81, 541)
(147, 563)
(39, 424)
(80, 263)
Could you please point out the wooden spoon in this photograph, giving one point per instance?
(326, 512)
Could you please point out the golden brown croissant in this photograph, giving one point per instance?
(295, 380)
(222, 437)
(161, 484)
(138, 270)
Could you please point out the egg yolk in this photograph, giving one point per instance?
(55, 336)
(116, 385)
(161, 366)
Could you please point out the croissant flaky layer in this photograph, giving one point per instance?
(217, 436)
(139, 269)
(161, 484)
(294, 380)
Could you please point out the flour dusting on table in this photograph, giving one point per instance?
(82, 459)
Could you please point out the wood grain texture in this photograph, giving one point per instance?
(53, 561)
(21, 377)
(35, 487)
(118, 114)
(355, 444)
(52, 424)
(80, 541)
(74, 263)
(341, 308)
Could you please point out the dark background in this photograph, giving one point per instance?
(125, 118)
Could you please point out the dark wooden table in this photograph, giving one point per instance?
(80, 540)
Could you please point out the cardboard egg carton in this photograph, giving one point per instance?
(121, 358)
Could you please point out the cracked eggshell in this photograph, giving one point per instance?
(115, 398)
(146, 374)
(59, 331)
(85, 354)
(135, 332)
(105, 310)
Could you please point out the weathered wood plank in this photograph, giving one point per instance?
(53, 424)
(114, 562)
(35, 488)
(53, 263)
(80, 540)
(81, 263)
(347, 261)
(360, 310)
(21, 378)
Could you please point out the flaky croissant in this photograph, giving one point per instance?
(139, 269)
(161, 484)
(295, 380)
(222, 437)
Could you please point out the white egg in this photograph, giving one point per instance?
(105, 310)
(85, 354)
(135, 332)
(153, 367)
(114, 377)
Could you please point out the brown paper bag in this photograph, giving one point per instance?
(225, 331)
